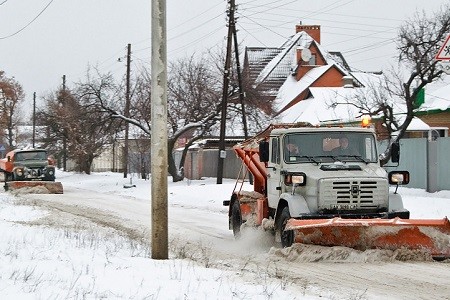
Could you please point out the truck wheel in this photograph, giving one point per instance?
(236, 219)
(287, 237)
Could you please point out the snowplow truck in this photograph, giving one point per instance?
(325, 186)
(30, 170)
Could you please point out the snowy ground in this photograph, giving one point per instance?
(93, 242)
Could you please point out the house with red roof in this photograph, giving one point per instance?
(306, 83)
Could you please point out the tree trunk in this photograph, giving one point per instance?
(85, 164)
(173, 170)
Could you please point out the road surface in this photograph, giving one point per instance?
(203, 235)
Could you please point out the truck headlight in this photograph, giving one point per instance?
(50, 171)
(398, 177)
(296, 179)
(19, 172)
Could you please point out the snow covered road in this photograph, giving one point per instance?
(198, 222)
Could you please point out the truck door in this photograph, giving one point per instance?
(273, 172)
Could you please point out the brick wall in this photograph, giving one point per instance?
(437, 119)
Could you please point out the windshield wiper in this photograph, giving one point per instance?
(328, 156)
(310, 158)
(359, 157)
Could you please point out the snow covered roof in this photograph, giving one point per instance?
(269, 67)
(333, 58)
(258, 58)
(281, 64)
(291, 88)
(437, 100)
(318, 108)
(367, 79)
(418, 125)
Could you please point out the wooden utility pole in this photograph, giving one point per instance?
(64, 131)
(159, 151)
(241, 92)
(127, 114)
(226, 80)
(34, 120)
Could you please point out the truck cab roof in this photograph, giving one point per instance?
(278, 131)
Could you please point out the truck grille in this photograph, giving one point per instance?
(353, 194)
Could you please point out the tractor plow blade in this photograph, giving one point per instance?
(34, 187)
(431, 236)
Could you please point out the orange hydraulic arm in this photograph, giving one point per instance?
(250, 158)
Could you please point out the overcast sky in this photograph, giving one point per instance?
(67, 36)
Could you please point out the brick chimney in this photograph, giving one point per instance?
(312, 30)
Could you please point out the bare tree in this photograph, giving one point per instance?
(86, 129)
(396, 97)
(11, 96)
(259, 111)
(193, 105)
(194, 102)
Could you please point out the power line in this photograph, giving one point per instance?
(334, 33)
(23, 28)
(265, 27)
(197, 40)
(195, 17)
(293, 10)
(270, 8)
(183, 33)
(262, 43)
(294, 18)
(330, 7)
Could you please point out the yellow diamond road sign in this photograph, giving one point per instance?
(444, 52)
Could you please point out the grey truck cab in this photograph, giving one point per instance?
(326, 172)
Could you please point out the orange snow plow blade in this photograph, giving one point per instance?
(34, 187)
(431, 236)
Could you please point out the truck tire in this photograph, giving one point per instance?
(236, 219)
(287, 237)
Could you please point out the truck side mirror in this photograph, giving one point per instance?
(395, 152)
(264, 151)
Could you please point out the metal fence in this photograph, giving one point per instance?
(428, 162)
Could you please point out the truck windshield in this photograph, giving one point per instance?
(37, 155)
(329, 147)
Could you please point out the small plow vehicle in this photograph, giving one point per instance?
(29, 170)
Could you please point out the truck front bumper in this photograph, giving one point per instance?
(404, 214)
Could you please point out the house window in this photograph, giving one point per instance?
(435, 133)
